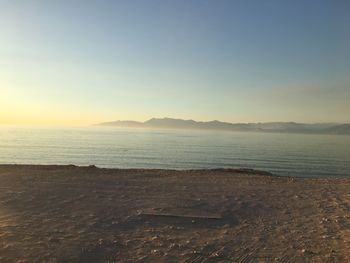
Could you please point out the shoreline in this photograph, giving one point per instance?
(226, 170)
(56, 213)
(233, 170)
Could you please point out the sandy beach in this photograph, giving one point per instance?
(88, 214)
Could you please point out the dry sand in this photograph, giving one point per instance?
(86, 214)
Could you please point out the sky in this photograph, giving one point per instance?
(82, 62)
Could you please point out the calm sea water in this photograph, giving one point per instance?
(282, 154)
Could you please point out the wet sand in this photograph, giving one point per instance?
(87, 214)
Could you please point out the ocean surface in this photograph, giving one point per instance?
(282, 154)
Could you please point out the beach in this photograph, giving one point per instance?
(89, 214)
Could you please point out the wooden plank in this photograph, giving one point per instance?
(174, 214)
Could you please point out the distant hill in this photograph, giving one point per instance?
(338, 129)
(291, 127)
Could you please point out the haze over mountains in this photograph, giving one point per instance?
(291, 127)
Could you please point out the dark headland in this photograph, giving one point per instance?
(88, 214)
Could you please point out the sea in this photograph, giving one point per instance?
(285, 154)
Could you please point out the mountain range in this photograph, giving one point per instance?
(289, 127)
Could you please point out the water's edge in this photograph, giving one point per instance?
(232, 171)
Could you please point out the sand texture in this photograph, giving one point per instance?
(87, 214)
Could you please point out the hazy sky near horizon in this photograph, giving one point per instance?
(81, 62)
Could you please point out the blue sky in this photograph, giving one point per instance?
(80, 62)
